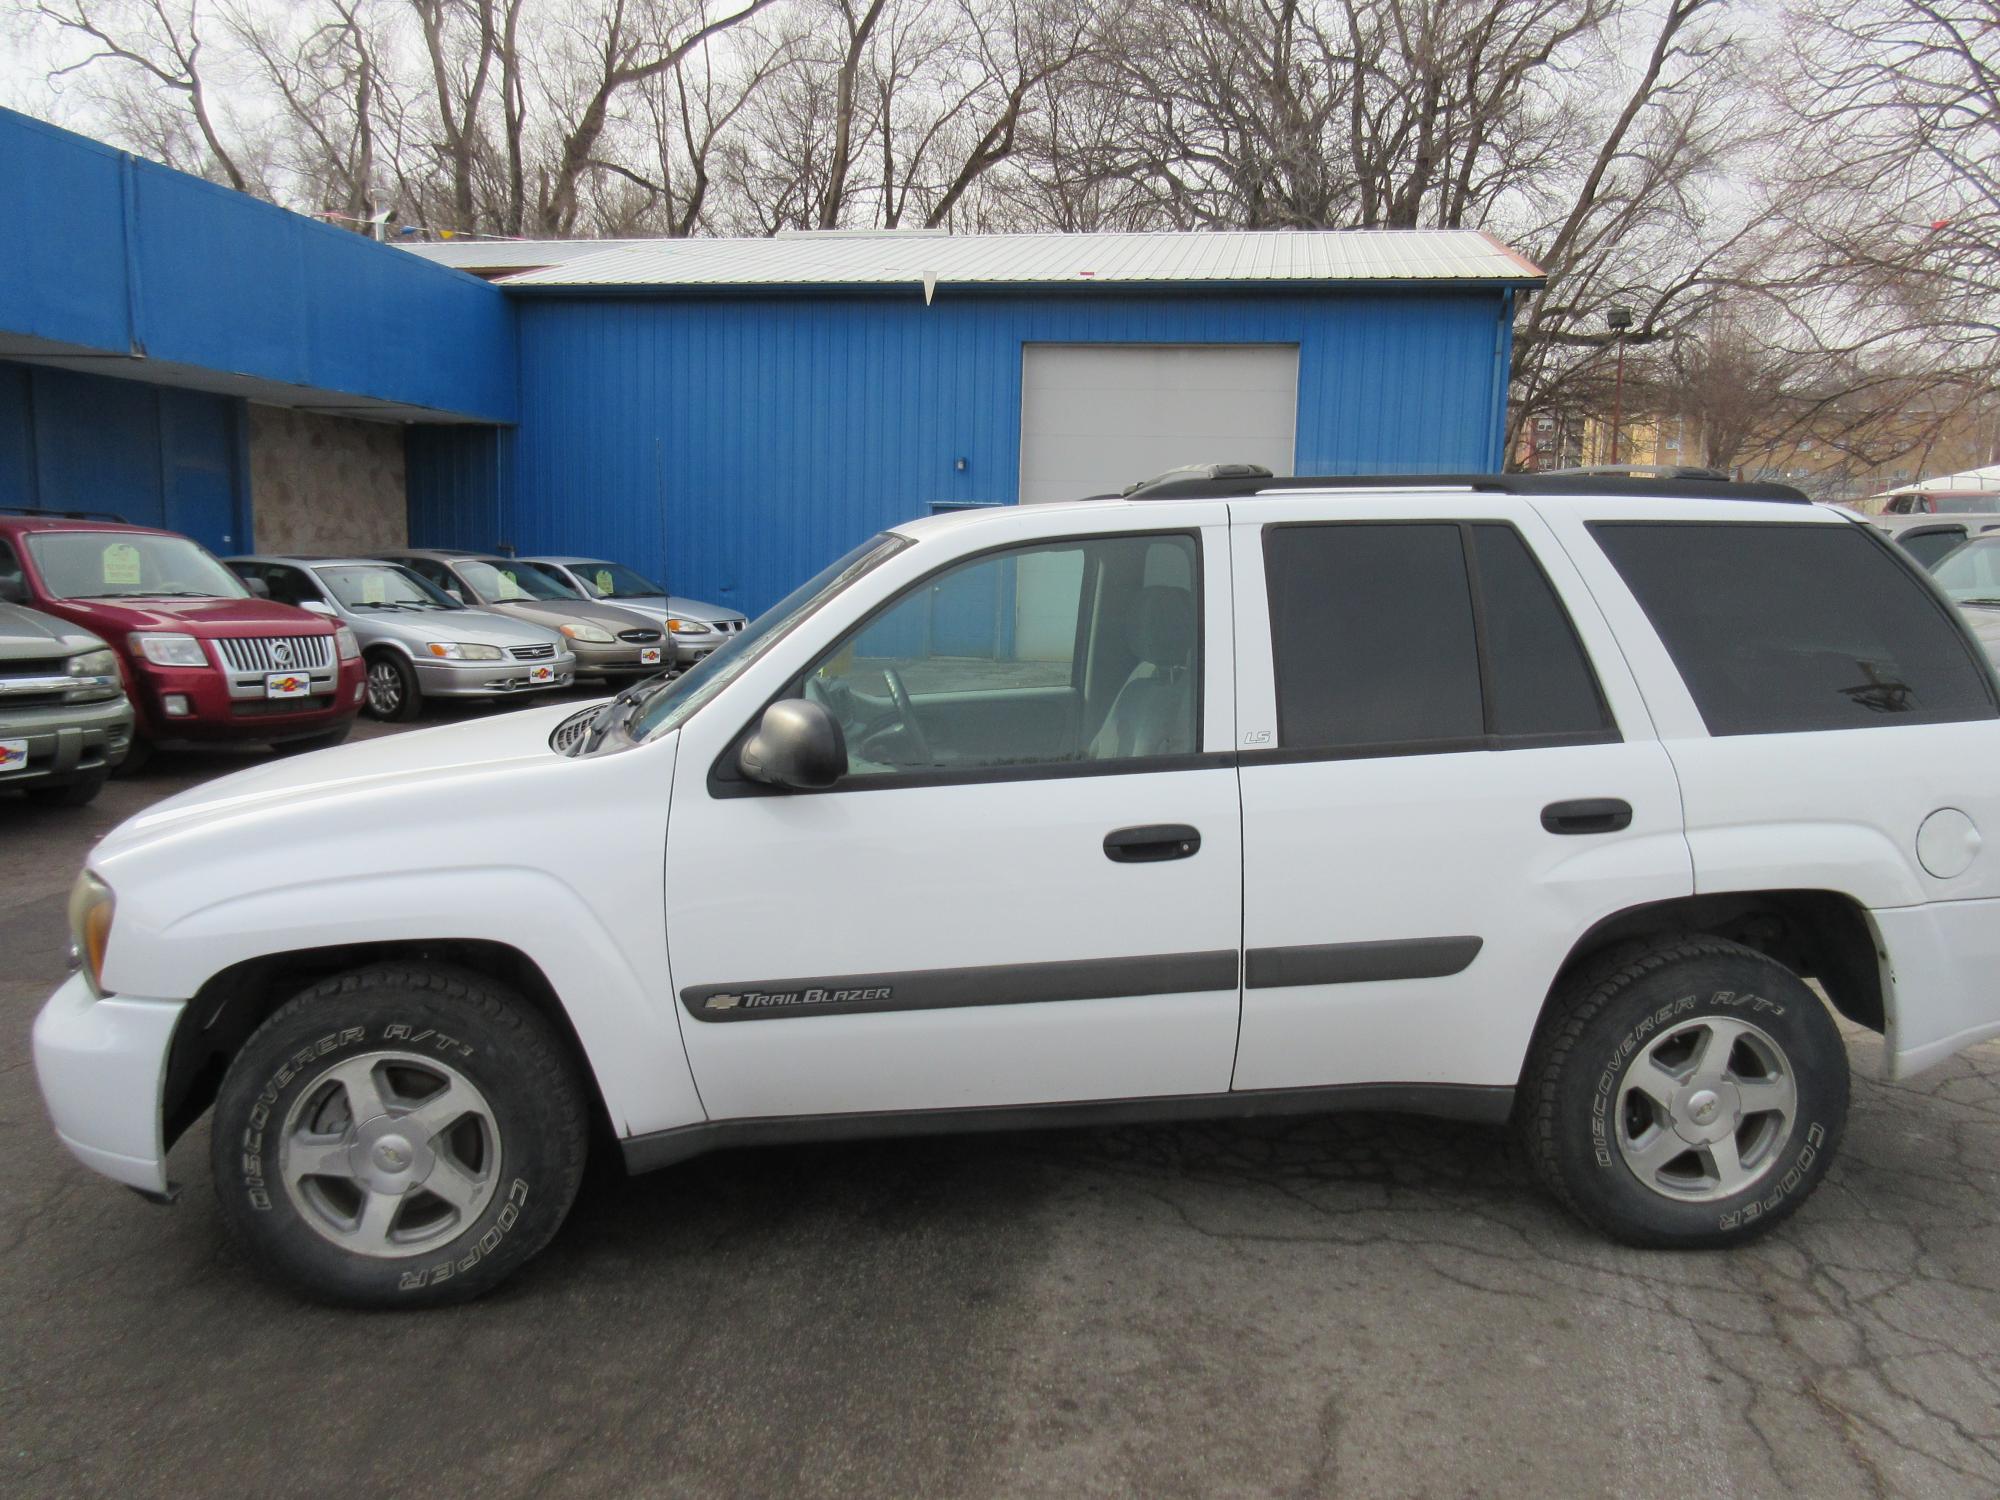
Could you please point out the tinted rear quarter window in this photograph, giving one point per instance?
(1783, 628)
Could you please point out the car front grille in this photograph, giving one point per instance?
(29, 683)
(727, 627)
(275, 653)
(532, 653)
(639, 637)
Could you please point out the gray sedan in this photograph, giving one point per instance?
(418, 643)
(617, 645)
(697, 628)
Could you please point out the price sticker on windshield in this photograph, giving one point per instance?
(374, 589)
(121, 566)
(604, 582)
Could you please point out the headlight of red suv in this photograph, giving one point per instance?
(167, 650)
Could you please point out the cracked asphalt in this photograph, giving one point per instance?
(1354, 1305)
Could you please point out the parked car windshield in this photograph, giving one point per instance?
(559, 578)
(507, 582)
(129, 564)
(609, 580)
(1971, 573)
(383, 586)
(674, 703)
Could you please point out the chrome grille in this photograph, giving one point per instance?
(29, 683)
(262, 653)
(639, 637)
(532, 653)
(727, 627)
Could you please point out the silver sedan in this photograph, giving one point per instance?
(418, 642)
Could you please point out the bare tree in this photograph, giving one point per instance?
(159, 40)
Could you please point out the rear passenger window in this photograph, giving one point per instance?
(1393, 638)
(1781, 628)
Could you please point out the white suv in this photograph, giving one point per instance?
(1514, 799)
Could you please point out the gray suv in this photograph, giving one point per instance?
(64, 721)
(418, 642)
(610, 643)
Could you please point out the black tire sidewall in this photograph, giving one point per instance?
(1603, 1187)
(292, 1052)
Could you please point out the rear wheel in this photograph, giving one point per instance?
(401, 1136)
(1689, 1094)
(393, 693)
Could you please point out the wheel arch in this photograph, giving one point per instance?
(1817, 934)
(235, 1001)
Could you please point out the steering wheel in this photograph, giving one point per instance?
(908, 713)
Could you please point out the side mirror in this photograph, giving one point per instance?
(798, 746)
(319, 607)
(258, 588)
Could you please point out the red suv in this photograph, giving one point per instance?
(204, 658)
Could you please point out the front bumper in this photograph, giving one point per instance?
(492, 679)
(622, 659)
(232, 707)
(102, 1065)
(66, 741)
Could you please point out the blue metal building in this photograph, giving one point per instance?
(729, 414)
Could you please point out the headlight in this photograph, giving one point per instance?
(169, 650)
(465, 651)
(98, 674)
(577, 630)
(680, 626)
(90, 909)
(346, 644)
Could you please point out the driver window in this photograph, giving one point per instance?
(13, 583)
(1082, 650)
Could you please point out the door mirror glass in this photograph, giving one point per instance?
(316, 606)
(258, 588)
(798, 746)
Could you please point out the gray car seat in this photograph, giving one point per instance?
(1153, 713)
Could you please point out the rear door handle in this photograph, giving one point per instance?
(1588, 815)
(1151, 843)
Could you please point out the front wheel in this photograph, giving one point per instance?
(399, 1136)
(393, 693)
(1690, 1094)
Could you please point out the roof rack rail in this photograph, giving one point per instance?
(64, 515)
(1200, 471)
(1646, 471)
(1635, 486)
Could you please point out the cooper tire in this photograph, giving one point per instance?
(398, 1136)
(1688, 1094)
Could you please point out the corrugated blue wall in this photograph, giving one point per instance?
(103, 251)
(154, 455)
(735, 445)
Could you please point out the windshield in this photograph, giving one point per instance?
(383, 587)
(673, 704)
(1972, 572)
(609, 580)
(506, 582)
(129, 565)
(560, 579)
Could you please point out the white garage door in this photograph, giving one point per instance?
(1096, 417)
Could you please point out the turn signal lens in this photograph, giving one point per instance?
(90, 909)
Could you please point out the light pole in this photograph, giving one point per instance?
(1619, 319)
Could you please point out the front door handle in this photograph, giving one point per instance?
(1151, 843)
(1588, 815)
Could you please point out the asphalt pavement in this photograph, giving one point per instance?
(1353, 1306)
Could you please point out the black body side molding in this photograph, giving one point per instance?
(1359, 963)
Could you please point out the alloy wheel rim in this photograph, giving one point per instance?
(1705, 1109)
(390, 1154)
(385, 687)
